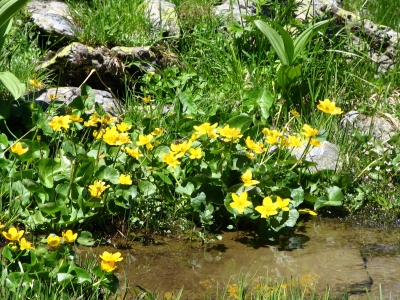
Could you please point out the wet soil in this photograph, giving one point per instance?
(320, 253)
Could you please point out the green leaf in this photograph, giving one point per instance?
(82, 276)
(31, 185)
(78, 103)
(108, 173)
(12, 83)
(334, 198)
(49, 207)
(241, 121)
(275, 40)
(163, 176)
(88, 95)
(147, 188)
(197, 201)
(188, 105)
(48, 167)
(287, 42)
(301, 41)
(8, 8)
(86, 239)
(297, 196)
(3, 141)
(288, 75)
(4, 30)
(264, 99)
(64, 278)
(187, 190)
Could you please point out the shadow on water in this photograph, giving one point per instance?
(318, 254)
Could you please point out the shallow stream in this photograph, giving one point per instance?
(320, 253)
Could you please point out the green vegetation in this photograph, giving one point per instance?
(384, 12)
(210, 139)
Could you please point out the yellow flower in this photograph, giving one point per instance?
(309, 131)
(53, 240)
(114, 257)
(293, 141)
(268, 208)
(205, 128)
(195, 153)
(282, 204)
(60, 122)
(113, 137)
(97, 188)
(93, 120)
(98, 134)
(307, 211)
(69, 236)
(315, 143)
(250, 155)
(125, 179)
(193, 137)
(122, 127)
(170, 159)
(240, 202)
(13, 234)
(18, 149)
(247, 179)
(180, 149)
(144, 139)
(35, 82)
(147, 99)
(23, 244)
(295, 113)
(272, 135)
(107, 119)
(107, 266)
(329, 107)
(75, 118)
(39, 138)
(133, 152)
(149, 147)
(158, 131)
(253, 146)
(233, 290)
(229, 134)
(52, 97)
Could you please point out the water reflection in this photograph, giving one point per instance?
(319, 253)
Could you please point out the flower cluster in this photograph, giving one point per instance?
(67, 237)
(16, 239)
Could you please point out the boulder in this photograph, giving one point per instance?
(380, 127)
(53, 20)
(73, 64)
(163, 17)
(65, 95)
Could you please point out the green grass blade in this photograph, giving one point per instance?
(275, 40)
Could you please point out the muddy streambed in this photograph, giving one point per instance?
(319, 253)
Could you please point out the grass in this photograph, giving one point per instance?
(385, 12)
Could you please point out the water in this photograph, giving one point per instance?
(320, 253)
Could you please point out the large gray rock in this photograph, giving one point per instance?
(163, 17)
(379, 127)
(53, 20)
(325, 156)
(74, 63)
(232, 10)
(65, 95)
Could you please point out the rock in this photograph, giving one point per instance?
(325, 156)
(73, 64)
(163, 17)
(382, 128)
(68, 94)
(53, 20)
(234, 9)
